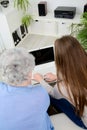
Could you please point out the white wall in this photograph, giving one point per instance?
(52, 4)
(6, 40)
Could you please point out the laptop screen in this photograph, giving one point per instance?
(43, 55)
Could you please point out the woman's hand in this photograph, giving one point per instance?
(50, 77)
(37, 77)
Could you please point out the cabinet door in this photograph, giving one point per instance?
(44, 28)
(50, 28)
(64, 28)
(36, 27)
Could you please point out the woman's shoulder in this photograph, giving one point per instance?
(39, 93)
(26, 89)
(39, 89)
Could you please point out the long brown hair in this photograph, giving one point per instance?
(71, 62)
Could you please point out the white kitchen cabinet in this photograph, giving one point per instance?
(64, 28)
(37, 27)
(43, 27)
(49, 25)
(50, 28)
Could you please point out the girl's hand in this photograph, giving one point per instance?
(37, 77)
(50, 77)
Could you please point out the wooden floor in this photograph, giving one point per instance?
(34, 41)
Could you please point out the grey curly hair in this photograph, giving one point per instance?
(15, 65)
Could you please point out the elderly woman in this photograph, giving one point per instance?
(22, 105)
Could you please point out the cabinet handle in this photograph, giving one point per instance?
(63, 23)
(36, 20)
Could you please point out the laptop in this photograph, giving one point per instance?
(44, 59)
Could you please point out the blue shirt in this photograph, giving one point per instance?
(24, 108)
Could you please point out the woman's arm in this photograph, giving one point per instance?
(53, 91)
(39, 78)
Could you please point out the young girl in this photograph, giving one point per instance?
(71, 76)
